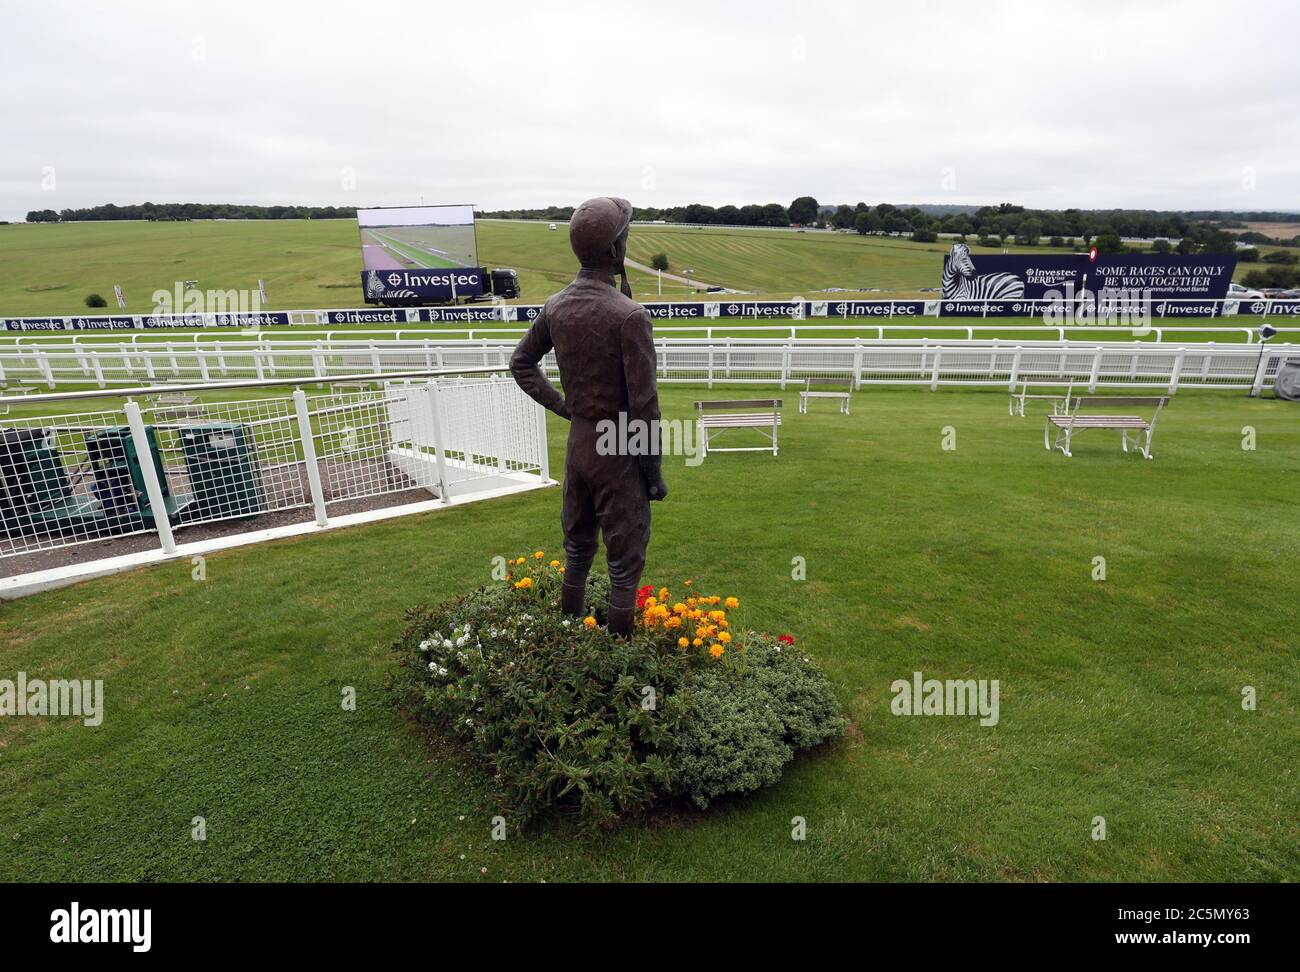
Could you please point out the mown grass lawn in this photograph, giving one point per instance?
(1119, 699)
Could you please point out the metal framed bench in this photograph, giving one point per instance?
(1066, 425)
(1060, 403)
(840, 394)
(760, 414)
(170, 406)
(8, 390)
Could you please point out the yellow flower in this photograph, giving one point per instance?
(718, 615)
(589, 621)
(691, 601)
(555, 563)
(519, 561)
(673, 622)
(679, 608)
(663, 593)
(682, 642)
(689, 583)
(561, 570)
(524, 584)
(724, 637)
(724, 625)
(697, 642)
(650, 601)
(732, 602)
(537, 555)
(716, 651)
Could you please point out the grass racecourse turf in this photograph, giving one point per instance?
(49, 269)
(1119, 699)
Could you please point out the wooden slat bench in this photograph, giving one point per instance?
(841, 394)
(1081, 416)
(1060, 403)
(762, 414)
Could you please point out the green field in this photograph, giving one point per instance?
(48, 269)
(1119, 698)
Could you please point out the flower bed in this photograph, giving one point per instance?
(568, 716)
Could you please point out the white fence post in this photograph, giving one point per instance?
(1096, 370)
(152, 487)
(440, 456)
(857, 362)
(309, 458)
(43, 361)
(1257, 386)
(934, 371)
(544, 456)
(1177, 370)
(1015, 369)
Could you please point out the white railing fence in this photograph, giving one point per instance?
(690, 360)
(160, 467)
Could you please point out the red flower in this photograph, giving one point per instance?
(642, 594)
(786, 639)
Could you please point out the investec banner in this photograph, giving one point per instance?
(426, 284)
(1030, 276)
(1166, 277)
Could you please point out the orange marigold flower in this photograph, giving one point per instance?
(697, 642)
(682, 642)
(679, 608)
(732, 602)
(555, 563)
(663, 593)
(589, 621)
(524, 584)
(537, 555)
(716, 651)
(724, 637)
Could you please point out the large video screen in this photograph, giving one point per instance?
(413, 237)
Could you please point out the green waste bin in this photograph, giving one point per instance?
(119, 479)
(221, 461)
(32, 478)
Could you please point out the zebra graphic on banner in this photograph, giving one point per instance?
(960, 282)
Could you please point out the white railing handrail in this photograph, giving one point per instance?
(208, 386)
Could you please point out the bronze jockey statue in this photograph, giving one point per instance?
(604, 349)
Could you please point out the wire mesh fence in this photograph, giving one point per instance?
(172, 462)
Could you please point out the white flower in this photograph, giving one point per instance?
(446, 643)
(426, 645)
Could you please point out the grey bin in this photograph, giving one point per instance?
(221, 462)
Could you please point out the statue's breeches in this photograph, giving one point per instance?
(604, 495)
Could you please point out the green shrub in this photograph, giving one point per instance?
(743, 723)
(95, 300)
(568, 717)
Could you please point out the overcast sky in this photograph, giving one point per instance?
(1163, 105)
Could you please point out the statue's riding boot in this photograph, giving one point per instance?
(622, 608)
(573, 595)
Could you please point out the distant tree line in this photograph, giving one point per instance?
(183, 211)
(1197, 231)
(992, 225)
